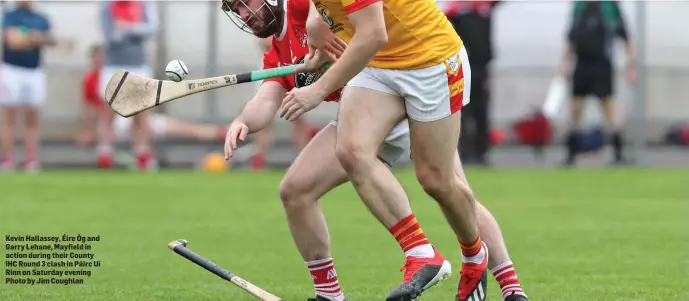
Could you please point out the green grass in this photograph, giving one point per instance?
(573, 235)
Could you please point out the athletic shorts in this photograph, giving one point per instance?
(429, 94)
(107, 72)
(122, 127)
(21, 86)
(397, 144)
(593, 79)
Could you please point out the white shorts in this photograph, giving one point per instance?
(431, 93)
(122, 127)
(107, 72)
(397, 144)
(21, 86)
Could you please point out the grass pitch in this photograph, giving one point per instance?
(573, 235)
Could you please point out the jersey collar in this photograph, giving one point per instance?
(285, 20)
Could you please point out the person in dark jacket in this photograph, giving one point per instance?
(473, 22)
(594, 29)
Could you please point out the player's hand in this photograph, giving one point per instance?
(237, 132)
(35, 38)
(314, 61)
(319, 36)
(299, 101)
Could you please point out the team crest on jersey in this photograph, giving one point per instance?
(453, 63)
(301, 37)
(323, 9)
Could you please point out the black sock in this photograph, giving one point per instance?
(616, 142)
(571, 146)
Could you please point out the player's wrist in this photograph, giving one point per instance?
(320, 89)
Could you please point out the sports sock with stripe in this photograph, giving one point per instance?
(473, 252)
(506, 276)
(325, 279)
(411, 238)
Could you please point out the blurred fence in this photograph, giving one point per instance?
(529, 38)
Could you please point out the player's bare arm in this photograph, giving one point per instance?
(369, 37)
(255, 116)
(15, 39)
(42, 38)
(320, 36)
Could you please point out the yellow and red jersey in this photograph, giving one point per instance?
(419, 34)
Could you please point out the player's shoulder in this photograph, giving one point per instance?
(42, 17)
(298, 10)
(12, 13)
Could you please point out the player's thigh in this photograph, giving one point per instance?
(434, 98)
(10, 86)
(582, 80)
(434, 143)
(22, 87)
(603, 81)
(316, 170)
(36, 84)
(436, 92)
(368, 111)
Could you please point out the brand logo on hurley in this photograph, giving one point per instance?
(192, 86)
(207, 83)
(230, 79)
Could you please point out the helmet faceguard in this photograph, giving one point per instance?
(269, 14)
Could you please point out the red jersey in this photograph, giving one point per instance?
(89, 88)
(289, 47)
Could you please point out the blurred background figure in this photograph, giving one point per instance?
(473, 22)
(98, 124)
(262, 138)
(94, 111)
(127, 25)
(594, 28)
(25, 33)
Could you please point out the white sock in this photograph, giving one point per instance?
(478, 258)
(422, 251)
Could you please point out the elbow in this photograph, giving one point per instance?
(378, 37)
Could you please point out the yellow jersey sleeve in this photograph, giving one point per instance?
(419, 34)
(351, 6)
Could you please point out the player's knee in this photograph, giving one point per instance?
(352, 156)
(294, 192)
(31, 118)
(441, 185)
